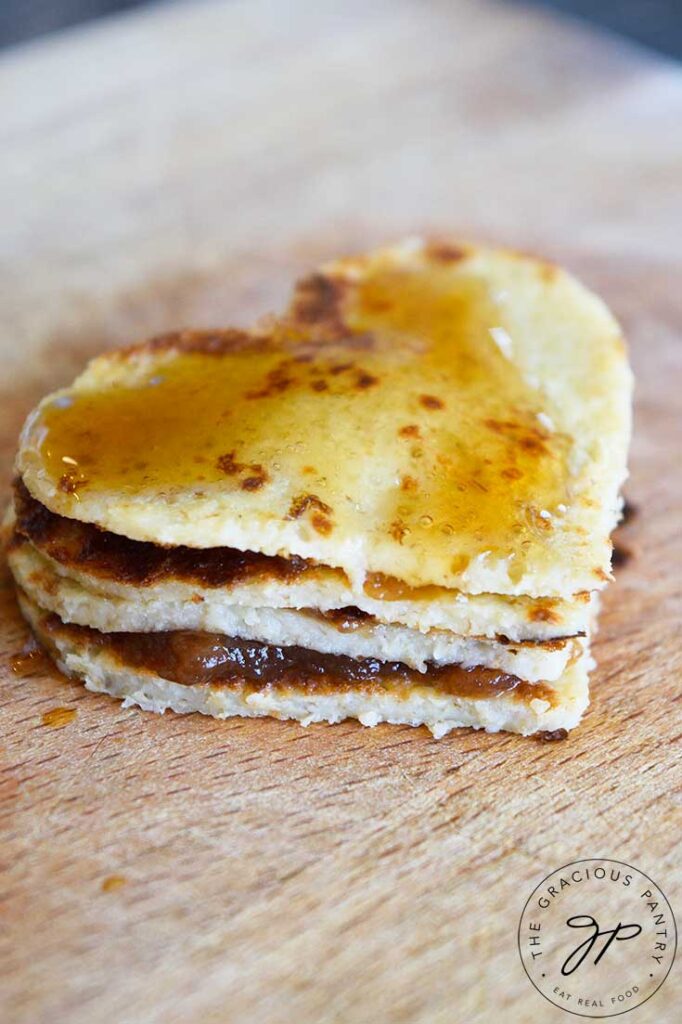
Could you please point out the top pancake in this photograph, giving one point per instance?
(447, 416)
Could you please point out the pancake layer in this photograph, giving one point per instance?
(344, 631)
(109, 565)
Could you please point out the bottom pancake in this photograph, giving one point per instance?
(222, 680)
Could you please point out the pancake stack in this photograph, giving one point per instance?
(392, 504)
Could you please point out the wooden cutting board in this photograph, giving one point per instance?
(181, 167)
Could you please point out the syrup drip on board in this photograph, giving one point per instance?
(57, 718)
(30, 662)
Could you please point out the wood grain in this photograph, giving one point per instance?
(181, 167)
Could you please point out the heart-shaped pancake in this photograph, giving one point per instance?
(394, 502)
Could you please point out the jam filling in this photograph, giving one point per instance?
(193, 658)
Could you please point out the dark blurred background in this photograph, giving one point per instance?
(653, 23)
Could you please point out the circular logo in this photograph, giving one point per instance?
(597, 938)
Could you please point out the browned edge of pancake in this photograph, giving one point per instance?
(77, 545)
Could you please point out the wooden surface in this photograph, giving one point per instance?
(181, 167)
